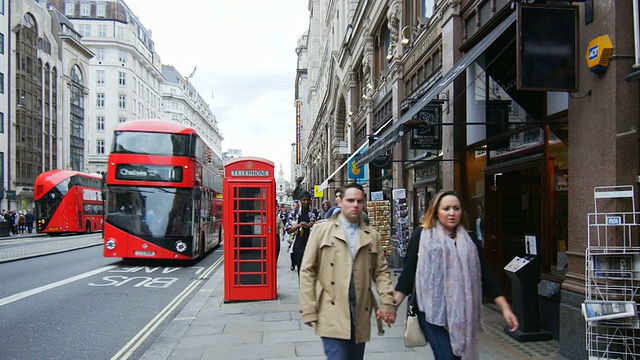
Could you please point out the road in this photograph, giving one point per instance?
(79, 305)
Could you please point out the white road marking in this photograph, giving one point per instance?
(56, 284)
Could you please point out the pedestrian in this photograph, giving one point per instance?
(326, 205)
(29, 218)
(450, 275)
(279, 232)
(300, 223)
(291, 237)
(14, 222)
(21, 222)
(335, 207)
(343, 257)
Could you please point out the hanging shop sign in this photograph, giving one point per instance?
(427, 135)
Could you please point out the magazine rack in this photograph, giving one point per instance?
(612, 275)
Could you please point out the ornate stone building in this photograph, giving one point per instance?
(431, 95)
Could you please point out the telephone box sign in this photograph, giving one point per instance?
(250, 173)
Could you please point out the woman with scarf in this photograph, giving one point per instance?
(446, 271)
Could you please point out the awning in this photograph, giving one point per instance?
(461, 66)
(325, 183)
(380, 146)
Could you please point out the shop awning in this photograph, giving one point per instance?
(462, 65)
(325, 183)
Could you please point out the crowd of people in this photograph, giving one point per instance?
(338, 256)
(19, 222)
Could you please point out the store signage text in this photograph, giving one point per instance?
(250, 173)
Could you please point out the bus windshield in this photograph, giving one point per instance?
(150, 212)
(146, 143)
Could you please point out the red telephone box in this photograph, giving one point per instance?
(249, 230)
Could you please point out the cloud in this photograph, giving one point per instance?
(245, 54)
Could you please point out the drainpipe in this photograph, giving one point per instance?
(636, 31)
(9, 113)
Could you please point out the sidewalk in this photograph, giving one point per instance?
(207, 328)
(52, 246)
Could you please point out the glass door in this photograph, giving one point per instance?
(513, 211)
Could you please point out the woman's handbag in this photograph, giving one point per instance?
(413, 335)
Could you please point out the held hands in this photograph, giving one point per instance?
(388, 317)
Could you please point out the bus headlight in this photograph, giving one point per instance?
(180, 246)
(110, 244)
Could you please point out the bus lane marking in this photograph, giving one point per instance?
(24, 294)
(143, 281)
(148, 329)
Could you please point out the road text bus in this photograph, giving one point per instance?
(68, 201)
(164, 193)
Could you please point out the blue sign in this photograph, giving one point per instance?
(614, 220)
(593, 52)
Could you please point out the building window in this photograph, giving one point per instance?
(100, 123)
(100, 54)
(1, 123)
(100, 100)
(1, 43)
(85, 9)
(100, 9)
(122, 78)
(84, 30)
(69, 8)
(102, 30)
(122, 102)
(122, 119)
(123, 57)
(99, 77)
(100, 147)
(120, 33)
(1, 83)
(2, 7)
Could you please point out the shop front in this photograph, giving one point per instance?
(505, 148)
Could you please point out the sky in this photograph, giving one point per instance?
(245, 60)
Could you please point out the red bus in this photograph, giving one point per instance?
(164, 193)
(68, 201)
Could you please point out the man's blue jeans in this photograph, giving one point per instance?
(438, 338)
(340, 349)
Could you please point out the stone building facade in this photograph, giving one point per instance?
(431, 95)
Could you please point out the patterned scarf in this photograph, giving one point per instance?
(448, 287)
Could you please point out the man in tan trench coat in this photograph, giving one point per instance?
(341, 259)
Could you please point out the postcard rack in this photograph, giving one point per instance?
(612, 275)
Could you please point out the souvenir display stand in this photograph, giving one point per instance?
(380, 219)
(612, 275)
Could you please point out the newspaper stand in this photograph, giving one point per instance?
(524, 286)
(612, 275)
(250, 232)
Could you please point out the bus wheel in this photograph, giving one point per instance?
(88, 227)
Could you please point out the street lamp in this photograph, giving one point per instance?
(390, 52)
(405, 40)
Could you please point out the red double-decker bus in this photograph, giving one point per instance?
(68, 201)
(164, 193)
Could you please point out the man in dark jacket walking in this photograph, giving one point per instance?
(29, 218)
